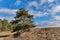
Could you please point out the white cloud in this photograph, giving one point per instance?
(54, 22)
(8, 11)
(48, 24)
(37, 6)
(57, 18)
(50, 1)
(43, 1)
(55, 9)
(18, 2)
(33, 3)
(37, 13)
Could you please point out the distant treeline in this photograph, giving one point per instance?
(5, 25)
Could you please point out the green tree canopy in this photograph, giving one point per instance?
(23, 20)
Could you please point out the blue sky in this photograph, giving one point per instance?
(46, 12)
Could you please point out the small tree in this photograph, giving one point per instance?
(0, 24)
(4, 25)
(23, 21)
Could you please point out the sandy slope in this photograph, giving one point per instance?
(38, 34)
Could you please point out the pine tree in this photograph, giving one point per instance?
(23, 21)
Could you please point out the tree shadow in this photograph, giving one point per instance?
(4, 36)
(17, 34)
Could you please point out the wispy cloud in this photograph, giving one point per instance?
(49, 24)
(33, 3)
(17, 3)
(43, 1)
(37, 6)
(40, 6)
(51, 1)
(55, 21)
(37, 13)
(55, 9)
(8, 11)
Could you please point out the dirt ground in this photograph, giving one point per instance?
(36, 34)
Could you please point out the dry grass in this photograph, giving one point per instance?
(5, 33)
